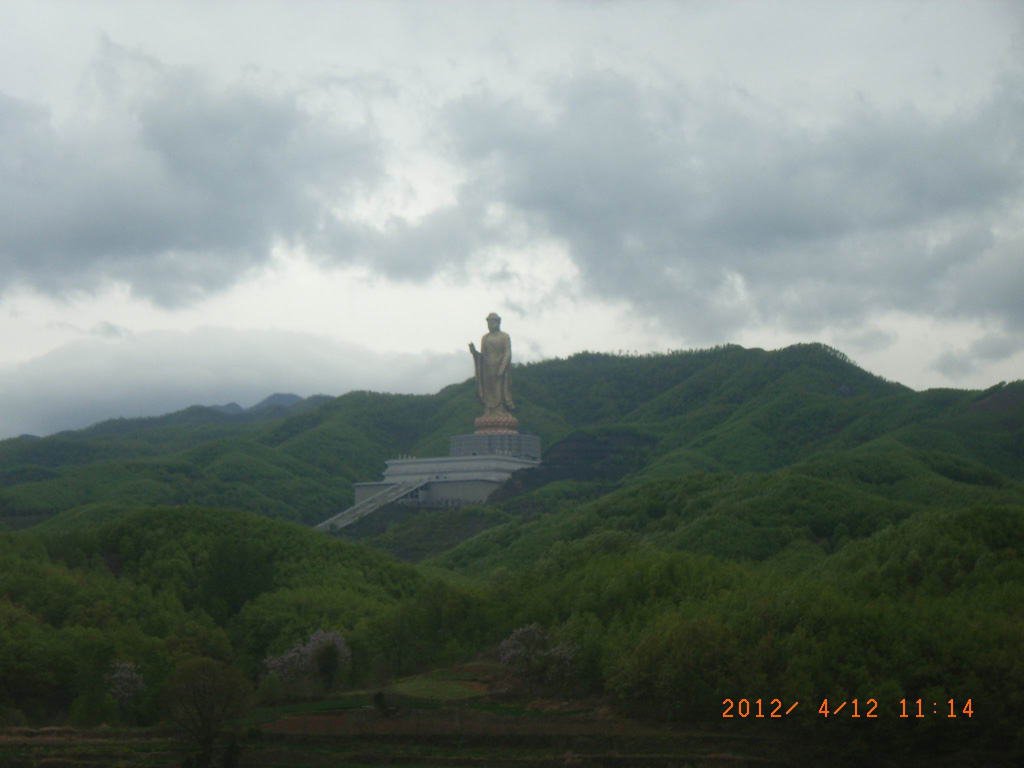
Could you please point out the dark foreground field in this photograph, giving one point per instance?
(435, 738)
(445, 719)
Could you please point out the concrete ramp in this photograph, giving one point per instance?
(372, 504)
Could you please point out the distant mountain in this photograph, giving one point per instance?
(605, 422)
(282, 399)
(232, 409)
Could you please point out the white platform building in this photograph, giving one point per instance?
(477, 466)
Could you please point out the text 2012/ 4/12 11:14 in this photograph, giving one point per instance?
(744, 708)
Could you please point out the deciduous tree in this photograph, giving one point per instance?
(202, 696)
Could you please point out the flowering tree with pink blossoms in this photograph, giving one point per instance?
(532, 659)
(321, 657)
(126, 686)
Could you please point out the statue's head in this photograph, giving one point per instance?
(493, 322)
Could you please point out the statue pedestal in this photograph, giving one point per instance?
(497, 425)
(497, 444)
(476, 466)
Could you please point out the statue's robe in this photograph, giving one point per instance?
(495, 390)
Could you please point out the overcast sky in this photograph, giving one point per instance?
(211, 202)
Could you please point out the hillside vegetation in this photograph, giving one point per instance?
(709, 525)
(724, 409)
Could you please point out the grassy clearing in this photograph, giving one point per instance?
(476, 670)
(439, 690)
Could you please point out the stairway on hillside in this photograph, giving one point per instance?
(365, 507)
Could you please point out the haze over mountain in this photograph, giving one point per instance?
(146, 374)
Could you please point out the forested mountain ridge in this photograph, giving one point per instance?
(723, 409)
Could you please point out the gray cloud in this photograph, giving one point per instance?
(108, 330)
(989, 348)
(104, 329)
(404, 251)
(158, 372)
(708, 211)
(711, 211)
(871, 339)
(991, 285)
(168, 182)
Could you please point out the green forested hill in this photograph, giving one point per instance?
(160, 585)
(724, 409)
(706, 525)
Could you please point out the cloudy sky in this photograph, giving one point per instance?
(211, 202)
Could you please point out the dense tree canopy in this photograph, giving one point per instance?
(711, 525)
